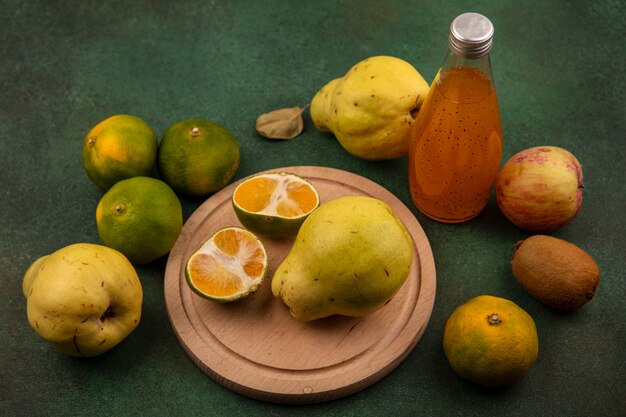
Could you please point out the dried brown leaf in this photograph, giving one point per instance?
(281, 124)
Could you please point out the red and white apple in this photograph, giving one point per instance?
(540, 189)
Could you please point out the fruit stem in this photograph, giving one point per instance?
(415, 110)
(494, 319)
(195, 131)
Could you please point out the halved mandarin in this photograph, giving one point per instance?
(274, 204)
(230, 265)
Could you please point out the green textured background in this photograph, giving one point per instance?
(66, 65)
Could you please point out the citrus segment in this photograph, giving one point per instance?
(211, 278)
(229, 265)
(301, 199)
(255, 195)
(274, 204)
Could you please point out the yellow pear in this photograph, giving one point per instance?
(350, 257)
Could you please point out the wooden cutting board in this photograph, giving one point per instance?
(254, 347)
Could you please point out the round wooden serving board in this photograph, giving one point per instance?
(254, 347)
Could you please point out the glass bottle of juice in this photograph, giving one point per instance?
(456, 140)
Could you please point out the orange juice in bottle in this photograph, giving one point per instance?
(456, 140)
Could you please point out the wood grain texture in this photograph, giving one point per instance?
(254, 347)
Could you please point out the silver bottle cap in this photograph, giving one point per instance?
(471, 35)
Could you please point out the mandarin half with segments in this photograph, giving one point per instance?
(274, 204)
(230, 265)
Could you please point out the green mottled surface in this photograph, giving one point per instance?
(66, 65)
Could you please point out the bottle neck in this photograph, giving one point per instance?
(482, 64)
(465, 80)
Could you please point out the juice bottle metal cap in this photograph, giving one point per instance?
(471, 35)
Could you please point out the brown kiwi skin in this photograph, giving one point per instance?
(556, 272)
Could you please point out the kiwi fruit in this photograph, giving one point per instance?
(557, 273)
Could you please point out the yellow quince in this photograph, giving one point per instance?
(371, 108)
